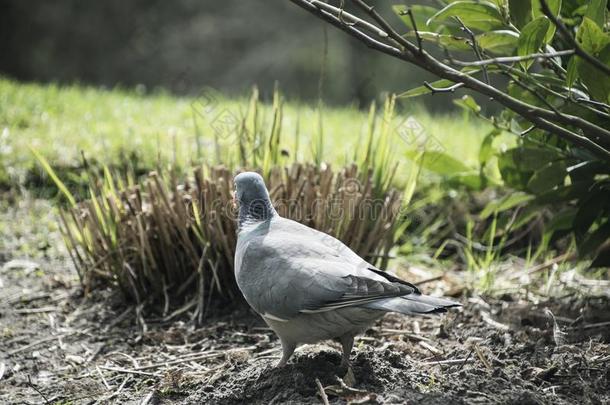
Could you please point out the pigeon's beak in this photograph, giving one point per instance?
(234, 200)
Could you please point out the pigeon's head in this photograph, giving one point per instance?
(252, 196)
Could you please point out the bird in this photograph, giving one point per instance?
(307, 285)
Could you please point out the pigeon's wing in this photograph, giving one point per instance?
(283, 274)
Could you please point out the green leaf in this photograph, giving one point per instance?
(555, 7)
(468, 103)
(484, 16)
(51, 173)
(438, 84)
(451, 42)
(572, 71)
(502, 42)
(505, 203)
(520, 12)
(546, 178)
(564, 193)
(590, 208)
(595, 239)
(596, 11)
(486, 151)
(597, 43)
(517, 165)
(562, 221)
(471, 180)
(440, 163)
(421, 90)
(421, 15)
(591, 37)
(531, 39)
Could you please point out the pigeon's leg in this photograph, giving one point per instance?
(287, 350)
(347, 342)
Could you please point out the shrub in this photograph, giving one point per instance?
(168, 245)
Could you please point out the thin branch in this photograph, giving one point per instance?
(475, 46)
(514, 59)
(592, 102)
(322, 392)
(341, 11)
(349, 19)
(449, 89)
(334, 20)
(565, 33)
(370, 10)
(417, 36)
(527, 131)
(532, 92)
(565, 98)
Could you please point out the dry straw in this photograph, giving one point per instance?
(170, 245)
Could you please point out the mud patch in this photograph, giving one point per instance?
(59, 347)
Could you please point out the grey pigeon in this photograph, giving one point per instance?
(307, 285)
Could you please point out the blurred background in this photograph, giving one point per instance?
(185, 45)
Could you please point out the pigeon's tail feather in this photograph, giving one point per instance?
(414, 304)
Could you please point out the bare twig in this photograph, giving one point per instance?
(29, 382)
(129, 371)
(117, 392)
(40, 310)
(482, 357)
(591, 326)
(322, 392)
(36, 343)
(430, 348)
(487, 318)
(592, 102)
(417, 36)
(119, 319)
(466, 359)
(475, 47)
(449, 89)
(350, 19)
(404, 333)
(194, 357)
(147, 398)
(527, 131)
(102, 377)
(561, 258)
(450, 362)
(429, 280)
(513, 59)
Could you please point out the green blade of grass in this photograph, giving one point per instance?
(51, 173)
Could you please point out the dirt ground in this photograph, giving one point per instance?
(58, 347)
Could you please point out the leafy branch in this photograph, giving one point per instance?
(575, 129)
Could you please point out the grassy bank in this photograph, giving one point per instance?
(110, 124)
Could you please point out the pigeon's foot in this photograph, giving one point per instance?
(347, 342)
(287, 350)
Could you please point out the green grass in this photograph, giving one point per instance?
(61, 121)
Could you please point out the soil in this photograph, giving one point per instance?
(59, 347)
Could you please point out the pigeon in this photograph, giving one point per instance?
(307, 285)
